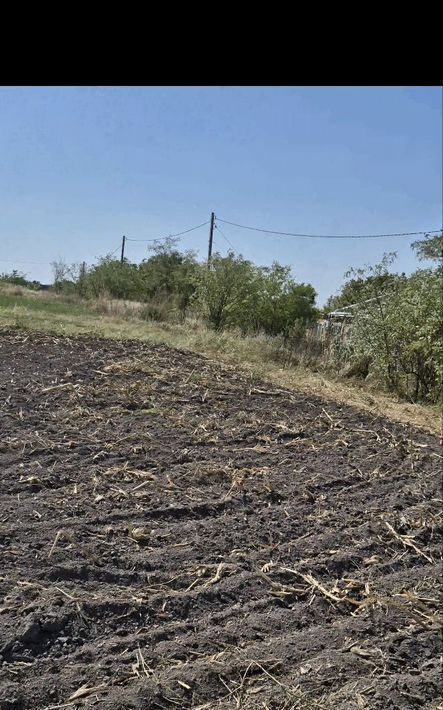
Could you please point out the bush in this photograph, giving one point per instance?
(154, 311)
(398, 328)
(17, 278)
(234, 293)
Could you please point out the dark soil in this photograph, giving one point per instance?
(174, 534)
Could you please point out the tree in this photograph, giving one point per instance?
(60, 270)
(15, 277)
(224, 289)
(236, 293)
(400, 328)
(112, 278)
(282, 301)
(170, 274)
(65, 275)
(429, 248)
(355, 290)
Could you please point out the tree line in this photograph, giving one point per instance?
(396, 333)
(232, 293)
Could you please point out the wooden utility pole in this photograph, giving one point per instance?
(123, 250)
(211, 234)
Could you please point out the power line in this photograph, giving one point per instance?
(157, 239)
(225, 237)
(14, 261)
(330, 236)
(186, 231)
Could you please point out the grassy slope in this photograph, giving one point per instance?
(47, 312)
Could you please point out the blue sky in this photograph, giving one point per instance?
(80, 167)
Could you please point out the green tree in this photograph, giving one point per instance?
(112, 278)
(224, 290)
(236, 293)
(17, 278)
(356, 289)
(429, 248)
(170, 274)
(400, 328)
(282, 301)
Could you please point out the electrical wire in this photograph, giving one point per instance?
(178, 234)
(13, 261)
(113, 252)
(225, 237)
(254, 229)
(330, 236)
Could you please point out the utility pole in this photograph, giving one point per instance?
(82, 278)
(123, 250)
(211, 234)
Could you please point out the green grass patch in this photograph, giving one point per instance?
(42, 305)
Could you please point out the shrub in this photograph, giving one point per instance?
(234, 293)
(398, 327)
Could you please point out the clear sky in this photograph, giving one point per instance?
(80, 167)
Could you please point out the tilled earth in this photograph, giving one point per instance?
(174, 534)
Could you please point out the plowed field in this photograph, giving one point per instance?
(174, 534)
